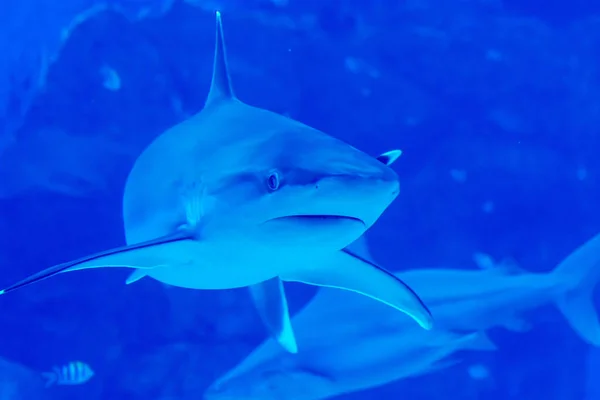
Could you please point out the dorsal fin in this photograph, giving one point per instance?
(389, 157)
(220, 86)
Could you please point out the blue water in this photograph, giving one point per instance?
(494, 104)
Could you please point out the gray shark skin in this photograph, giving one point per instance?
(499, 297)
(269, 296)
(325, 369)
(349, 351)
(479, 299)
(343, 356)
(237, 196)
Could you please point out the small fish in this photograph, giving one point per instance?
(73, 373)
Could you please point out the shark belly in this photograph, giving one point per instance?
(219, 266)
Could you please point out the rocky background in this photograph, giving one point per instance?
(496, 105)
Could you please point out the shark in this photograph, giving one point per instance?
(325, 369)
(239, 196)
(502, 296)
(467, 300)
(343, 355)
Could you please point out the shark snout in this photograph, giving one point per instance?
(361, 196)
(394, 188)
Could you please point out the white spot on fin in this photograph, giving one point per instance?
(220, 86)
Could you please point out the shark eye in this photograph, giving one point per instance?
(273, 181)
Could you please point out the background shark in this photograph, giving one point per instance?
(500, 296)
(343, 356)
(288, 198)
(352, 349)
(350, 360)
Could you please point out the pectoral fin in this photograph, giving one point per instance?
(139, 255)
(348, 271)
(271, 304)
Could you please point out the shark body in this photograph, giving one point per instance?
(240, 196)
(482, 299)
(344, 356)
(358, 345)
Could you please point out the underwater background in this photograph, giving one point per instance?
(494, 103)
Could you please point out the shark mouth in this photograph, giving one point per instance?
(328, 232)
(319, 219)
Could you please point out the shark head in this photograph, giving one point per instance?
(298, 188)
(273, 180)
(240, 196)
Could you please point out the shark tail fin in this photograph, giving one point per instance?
(580, 273)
